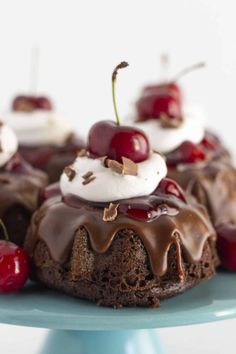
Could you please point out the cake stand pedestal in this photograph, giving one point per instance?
(80, 327)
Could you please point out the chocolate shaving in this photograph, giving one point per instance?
(110, 213)
(70, 172)
(129, 167)
(104, 160)
(1, 124)
(115, 166)
(82, 153)
(88, 177)
(168, 122)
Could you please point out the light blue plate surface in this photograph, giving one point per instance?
(36, 306)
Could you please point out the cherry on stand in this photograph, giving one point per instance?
(14, 265)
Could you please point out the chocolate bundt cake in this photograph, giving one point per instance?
(126, 260)
(20, 188)
(196, 158)
(117, 232)
(46, 140)
(50, 158)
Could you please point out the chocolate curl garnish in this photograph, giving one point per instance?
(88, 177)
(70, 172)
(181, 273)
(129, 167)
(115, 166)
(82, 153)
(110, 213)
(104, 160)
(167, 122)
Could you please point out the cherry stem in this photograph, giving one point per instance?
(5, 233)
(188, 70)
(122, 65)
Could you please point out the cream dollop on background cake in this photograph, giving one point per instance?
(168, 139)
(8, 144)
(109, 185)
(39, 127)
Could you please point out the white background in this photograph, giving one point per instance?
(80, 43)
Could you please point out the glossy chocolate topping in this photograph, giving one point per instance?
(171, 221)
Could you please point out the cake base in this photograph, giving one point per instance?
(103, 342)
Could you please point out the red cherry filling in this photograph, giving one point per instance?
(14, 267)
(170, 187)
(106, 138)
(187, 152)
(25, 103)
(226, 245)
(154, 105)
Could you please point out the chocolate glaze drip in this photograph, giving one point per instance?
(57, 221)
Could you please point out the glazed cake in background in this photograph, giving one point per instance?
(46, 140)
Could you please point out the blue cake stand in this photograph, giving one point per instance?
(80, 327)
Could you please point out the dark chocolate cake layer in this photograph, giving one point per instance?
(20, 187)
(126, 261)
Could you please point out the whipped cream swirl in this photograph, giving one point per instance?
(8, 144)
(38, 127)
(108, 185)
(168, 139)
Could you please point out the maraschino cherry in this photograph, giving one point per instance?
(111, 139)
(163, 99)
(14, 265)
(226, 245)
(28, 103)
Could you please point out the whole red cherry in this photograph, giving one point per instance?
(226, 245)
(29, 103)
(154, 105)
(106, 138)
(165, 88)
(111, 139)
(187, 152)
